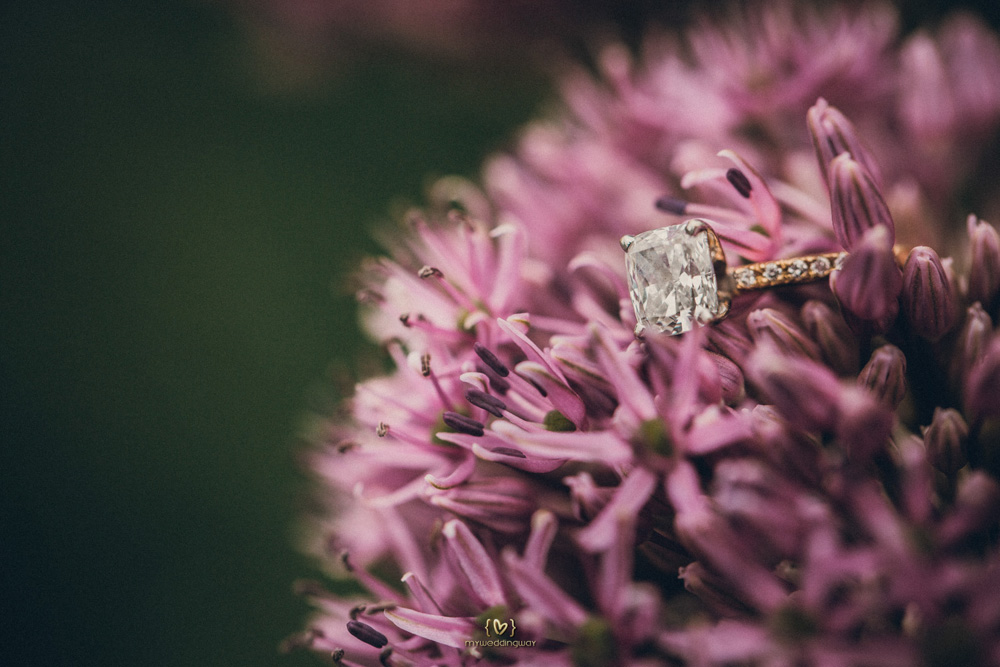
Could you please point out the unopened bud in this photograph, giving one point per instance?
(836, 343)
(804, 392)
(730, 379)
(856, 202)
(776, 327)
(971, 342)
(928, 302)
(885, 375)
(864, 423)
(984, 267)
(945, 440)
(833, 134)
(869, 283)
(982, 385)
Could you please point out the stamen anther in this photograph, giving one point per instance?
(739, 181)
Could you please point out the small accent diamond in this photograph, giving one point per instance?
(839, 263)
(772, 271)
(798, 268)
(746, 278)
(821, 265)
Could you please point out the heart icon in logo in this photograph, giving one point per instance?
(499, 628)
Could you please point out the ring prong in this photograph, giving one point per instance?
(627, 241)
(694, 226)
(724, 304)
(639, 330)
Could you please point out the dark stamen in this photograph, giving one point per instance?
(425, 365)
(405, 319)
(481, 399)
(739, 181)
(669, 204)
(491, 360)
(463, 424)
(510, 451)
(497, 383)
(367, 634)
(337, 655)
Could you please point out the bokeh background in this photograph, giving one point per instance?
(182, 201)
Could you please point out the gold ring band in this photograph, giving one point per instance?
(792, 271)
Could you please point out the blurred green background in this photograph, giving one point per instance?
(175, 247)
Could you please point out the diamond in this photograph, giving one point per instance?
(746, 278)
(821, 265)
(772, 271)
(798, 268)
(672, 279)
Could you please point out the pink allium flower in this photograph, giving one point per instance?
(812, 480)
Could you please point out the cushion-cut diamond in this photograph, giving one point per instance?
(671, 279)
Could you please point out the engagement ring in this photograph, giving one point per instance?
(678, 275)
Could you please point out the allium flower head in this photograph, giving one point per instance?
(812, 480)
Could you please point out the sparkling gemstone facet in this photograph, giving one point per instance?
(671, 279)
(746, 278)
(821, 265)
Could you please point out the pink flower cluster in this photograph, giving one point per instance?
(811, 481)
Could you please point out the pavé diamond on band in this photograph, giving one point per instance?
(678, 275)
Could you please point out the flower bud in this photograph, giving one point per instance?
(975, 509)
(885, 375)
(984, 268)
(788, 449)
(971, 343)
(864, 423)
(945, 440)
(833, 134)
(804, 392)
(836, 343)
(927, 295)
(856, 202)
(774, 326)
(730, 378)
(982, 385)
(868, 285)
(730, 339)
